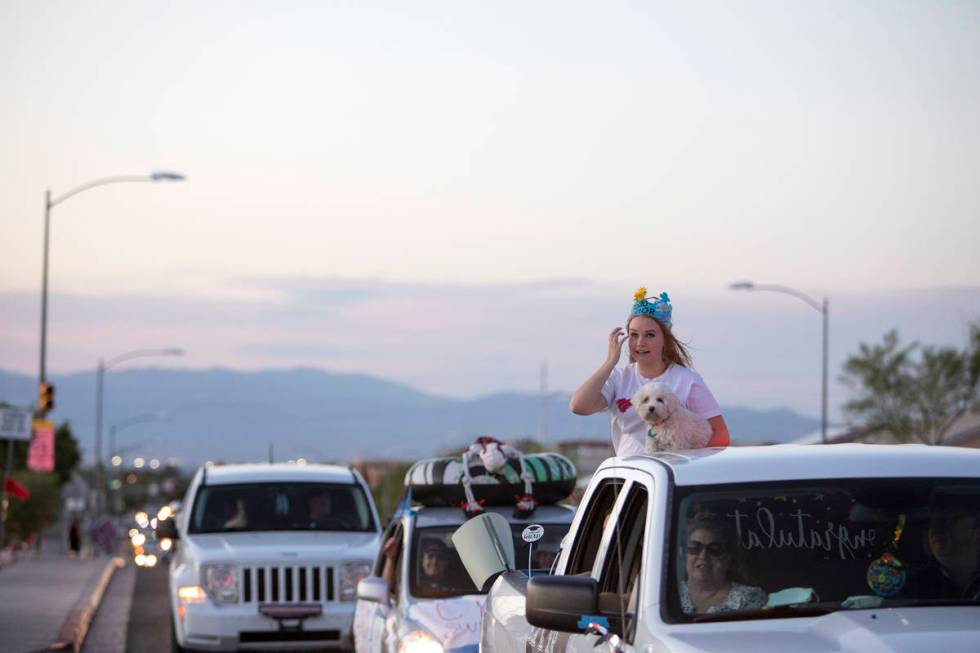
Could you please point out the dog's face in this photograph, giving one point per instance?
(654, 403)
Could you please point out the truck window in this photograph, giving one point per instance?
(436, 571)
(586, 543)
(388, 569)
(619, 580)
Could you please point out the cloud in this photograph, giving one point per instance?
(761, 350)
(290, 350)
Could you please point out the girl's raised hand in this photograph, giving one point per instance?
(616, 340)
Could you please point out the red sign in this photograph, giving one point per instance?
(40, 455)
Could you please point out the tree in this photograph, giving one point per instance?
(914, 392)
(44, 505)
(389, 491)
(39, 511)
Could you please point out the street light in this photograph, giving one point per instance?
(42, 374)
(50, 204)
(161, 416)
(820, 307)
(99, 402)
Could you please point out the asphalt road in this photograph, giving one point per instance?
(134, 614)
(149, 616)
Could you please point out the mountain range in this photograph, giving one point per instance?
(230, 415)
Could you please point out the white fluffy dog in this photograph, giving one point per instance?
(672, 426)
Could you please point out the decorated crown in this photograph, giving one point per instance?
(658, 308)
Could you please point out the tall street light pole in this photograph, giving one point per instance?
(99, 402)
(823, 309)
(50, 204)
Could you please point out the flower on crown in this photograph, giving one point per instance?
(659, 308)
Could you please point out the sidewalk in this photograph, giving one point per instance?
(39, 594)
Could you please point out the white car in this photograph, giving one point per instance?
(784, 548)
(269, 556)
(434, 607)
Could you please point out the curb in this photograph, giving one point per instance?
(75, 628)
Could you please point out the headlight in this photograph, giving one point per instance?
(417, 641)
(351, 574)
(220, 582)
(191, 594)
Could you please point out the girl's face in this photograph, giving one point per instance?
(708, 558)
(646, 339)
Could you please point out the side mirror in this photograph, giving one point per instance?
(373, 589)
(562, 603)
(167, 528)
(485, 544)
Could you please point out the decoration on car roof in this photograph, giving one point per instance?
(494, 455)
(491, 473)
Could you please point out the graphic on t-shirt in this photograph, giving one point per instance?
(624, 405)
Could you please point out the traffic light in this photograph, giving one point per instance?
(45, 400)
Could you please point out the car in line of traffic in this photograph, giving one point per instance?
(419, 598)
(269, 556)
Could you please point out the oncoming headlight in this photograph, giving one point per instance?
(417, 641)
(220, 582)
(351, 574)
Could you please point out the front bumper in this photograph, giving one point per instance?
(210, 627)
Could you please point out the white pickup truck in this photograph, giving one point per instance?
(269, 556)
(782, 548)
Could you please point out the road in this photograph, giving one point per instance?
(134, 615)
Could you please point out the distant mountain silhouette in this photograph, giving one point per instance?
(230, 415)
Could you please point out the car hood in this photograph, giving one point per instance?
(454, 622)
(909, 630)
(284, 546)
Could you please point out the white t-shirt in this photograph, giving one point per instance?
(628, 430)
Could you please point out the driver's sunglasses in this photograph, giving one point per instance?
(713, 549)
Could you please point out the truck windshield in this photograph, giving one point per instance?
(281, 507)
(785, 549)
(436, 571)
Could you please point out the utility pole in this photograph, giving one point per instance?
(543, 404)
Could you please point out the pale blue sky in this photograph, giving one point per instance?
(454, 155)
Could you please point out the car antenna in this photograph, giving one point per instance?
(270, 453)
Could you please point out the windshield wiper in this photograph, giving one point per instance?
(777, 612)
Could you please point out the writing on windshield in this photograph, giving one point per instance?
(761, 550)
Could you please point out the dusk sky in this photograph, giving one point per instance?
(447, 194)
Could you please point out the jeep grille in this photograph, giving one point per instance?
(288, 584)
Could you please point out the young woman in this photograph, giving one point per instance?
(655, 355)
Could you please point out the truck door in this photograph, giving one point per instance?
(619, 566)
(585, 540)
(608, 545)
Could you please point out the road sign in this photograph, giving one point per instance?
(15, 423)
(40, 455)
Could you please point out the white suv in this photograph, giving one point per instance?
(269, 556)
